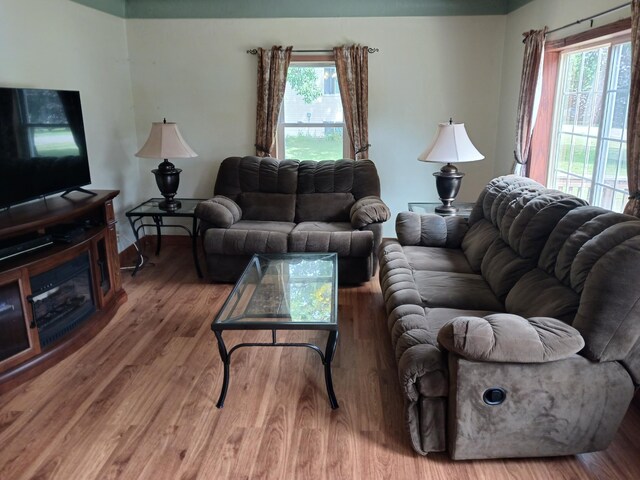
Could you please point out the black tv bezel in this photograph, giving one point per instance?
(4, 206)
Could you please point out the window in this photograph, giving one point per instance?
(49, 133)
(588, 152)
(331, 81)
(311, 122)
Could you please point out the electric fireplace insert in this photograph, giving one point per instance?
(62, 298)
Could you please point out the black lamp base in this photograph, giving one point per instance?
(448, 181)
(168, 179)
(170, 205)
(446, 208)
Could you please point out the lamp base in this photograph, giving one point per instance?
(170, 205)
(446, 209)
(168, 179)
(448, 181)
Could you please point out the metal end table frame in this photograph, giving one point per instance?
(136, 222)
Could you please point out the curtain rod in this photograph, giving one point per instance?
(254, 51)
(578, 22)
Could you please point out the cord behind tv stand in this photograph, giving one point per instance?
(79, 189)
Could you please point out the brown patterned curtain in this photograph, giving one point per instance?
(530, 85)
(272, 80)
(352, 68)
(633, 130)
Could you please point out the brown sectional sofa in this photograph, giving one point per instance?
(516, 332)
(263, 205)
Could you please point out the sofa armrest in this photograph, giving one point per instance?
(507, 338)
(219, 211)
(430, 230)
(369, 210)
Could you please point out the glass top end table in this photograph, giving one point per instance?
(463, 208)
(152, 208)
(290, 291)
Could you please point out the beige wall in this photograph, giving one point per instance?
(535, 15)
(196, 72)
(59, 44)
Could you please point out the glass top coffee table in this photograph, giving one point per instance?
(290, 291)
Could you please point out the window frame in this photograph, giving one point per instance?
(332, 81)
(541, 143)
(320, 61)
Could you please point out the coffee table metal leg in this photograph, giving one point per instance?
(332, 342)
(225, 360)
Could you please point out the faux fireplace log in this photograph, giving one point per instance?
(55, 299)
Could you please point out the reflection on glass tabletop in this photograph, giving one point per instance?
(283, 289)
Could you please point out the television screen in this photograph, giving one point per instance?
(42, 144)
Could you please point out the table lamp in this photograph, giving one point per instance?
(450, 145)
(165, 141)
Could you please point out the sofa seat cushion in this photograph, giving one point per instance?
(323, 227)
(264, 226)
(437, 259)
(466, 291)
(351, 243)
(247, 237)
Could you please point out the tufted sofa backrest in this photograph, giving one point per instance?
(596, 253)
(360, 178)
(546, 253)
(289, 190)
(255, 174)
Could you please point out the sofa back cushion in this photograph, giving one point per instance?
(323, 207)
(606, 271)
(502, 268)
(494, 194)
(289, 190)
(277, 207)
(477, 241)
(595, 253)
(538, 294)
(255, 174)
(360, 178)
(548, 254)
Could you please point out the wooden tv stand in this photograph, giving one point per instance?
(21, 354)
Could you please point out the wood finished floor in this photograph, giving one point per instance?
(139, 402)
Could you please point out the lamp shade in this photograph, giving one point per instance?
(165, 141)
(451, 145)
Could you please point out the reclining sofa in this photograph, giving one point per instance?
(263, 205)
(516, 332)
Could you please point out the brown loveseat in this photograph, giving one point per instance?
(516, 333)
(263, 205)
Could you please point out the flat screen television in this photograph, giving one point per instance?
(43, 149)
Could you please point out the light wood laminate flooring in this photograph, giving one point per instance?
(138, 401)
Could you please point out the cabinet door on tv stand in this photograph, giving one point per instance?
(18, 341)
